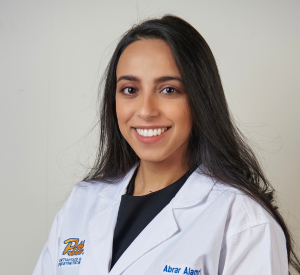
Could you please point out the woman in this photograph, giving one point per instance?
(175, 189)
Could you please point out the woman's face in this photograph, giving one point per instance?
(151, 102)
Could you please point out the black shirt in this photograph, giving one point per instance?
(135, 212)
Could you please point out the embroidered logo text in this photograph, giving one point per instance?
(73, 247)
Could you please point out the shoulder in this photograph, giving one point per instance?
(90, 197)
(250, 234)
(243, 212)
(86, 189)
(87, 199)
(237, 210)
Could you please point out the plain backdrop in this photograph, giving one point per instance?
(52, 56)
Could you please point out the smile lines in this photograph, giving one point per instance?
(151, 132)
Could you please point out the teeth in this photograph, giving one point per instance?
(151, 132)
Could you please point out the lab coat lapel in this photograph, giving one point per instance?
(160, 229)
(101, 227)
(164, 225)
(101, 232)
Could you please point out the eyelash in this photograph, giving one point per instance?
(176, 91)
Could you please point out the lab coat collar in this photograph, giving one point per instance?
(194, 190)
(197, 186)
(114, 191)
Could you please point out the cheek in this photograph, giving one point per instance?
(121, 110)
(180, 115)
(185, 124)
(124, 114)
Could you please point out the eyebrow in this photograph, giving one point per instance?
(157, 80)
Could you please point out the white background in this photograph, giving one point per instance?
(52, 55)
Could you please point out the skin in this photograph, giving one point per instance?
(143, 101)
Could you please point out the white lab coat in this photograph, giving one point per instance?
(207, 228)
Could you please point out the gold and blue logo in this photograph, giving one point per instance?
(73, 247)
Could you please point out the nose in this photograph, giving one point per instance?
(148, 106)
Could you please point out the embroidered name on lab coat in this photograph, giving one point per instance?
(186, 270)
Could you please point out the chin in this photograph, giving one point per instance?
(153, 157)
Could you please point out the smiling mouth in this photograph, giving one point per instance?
(151, 132)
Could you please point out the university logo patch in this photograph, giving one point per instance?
(73, 247)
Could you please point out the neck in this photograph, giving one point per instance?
(153, 176)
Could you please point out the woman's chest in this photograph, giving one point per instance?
(179, 243)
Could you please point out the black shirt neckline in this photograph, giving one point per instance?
(130, 186)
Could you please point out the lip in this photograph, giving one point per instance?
(153, 139)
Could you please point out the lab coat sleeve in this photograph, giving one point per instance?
(256, 250)
(47, 262)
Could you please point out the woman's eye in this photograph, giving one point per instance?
(129, 91)
(169, 90)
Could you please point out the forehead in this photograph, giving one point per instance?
(151, 56)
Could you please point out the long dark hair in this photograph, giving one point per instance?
(214, 141)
